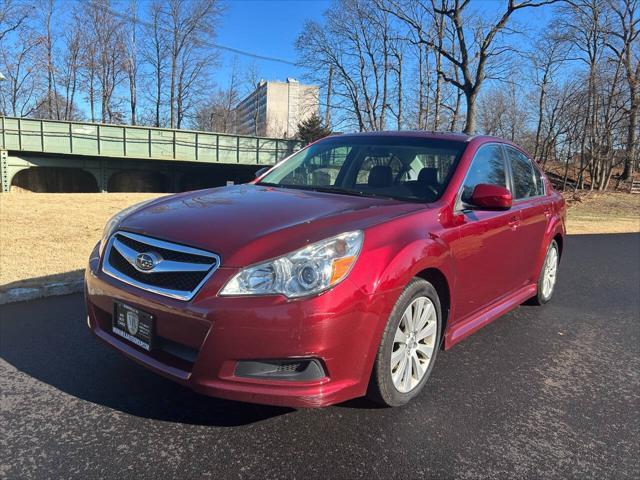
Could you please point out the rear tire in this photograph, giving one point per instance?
(548, 276)
(409, 346)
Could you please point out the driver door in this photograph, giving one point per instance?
(486, 248)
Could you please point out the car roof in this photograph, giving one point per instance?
(461, 137)
(455, 136)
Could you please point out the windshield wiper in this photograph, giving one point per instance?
(338, 190)
(347, 191)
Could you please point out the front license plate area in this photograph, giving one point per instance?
(133, 325)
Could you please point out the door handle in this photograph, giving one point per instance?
(514, 222)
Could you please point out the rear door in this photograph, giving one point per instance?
(534, 208)
(486, 251)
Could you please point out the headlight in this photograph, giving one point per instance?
(307, 271)
(113, 222)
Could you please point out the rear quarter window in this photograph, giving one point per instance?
(539, 179)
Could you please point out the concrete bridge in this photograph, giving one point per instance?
(60, 156)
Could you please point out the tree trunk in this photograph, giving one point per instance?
(385, 82)
(543, 88)
(437, 100)
(470, 123)
(52, 100)
(133, 102)
(133, 67)
(172, 92)
(456, 112)
(632, 139)
(92, 98)
(327, 111)
(158, 88)
(400, 106)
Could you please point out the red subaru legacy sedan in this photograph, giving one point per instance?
(338, 273)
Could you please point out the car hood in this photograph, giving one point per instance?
(245, 224)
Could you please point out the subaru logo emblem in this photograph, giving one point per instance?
(147, 261)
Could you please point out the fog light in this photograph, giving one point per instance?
(285, 369)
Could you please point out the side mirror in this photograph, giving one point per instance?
(491, 197)
(261, 171)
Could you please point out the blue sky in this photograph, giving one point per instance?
(270, 27)
(265, 27)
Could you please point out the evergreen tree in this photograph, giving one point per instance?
(312, 129)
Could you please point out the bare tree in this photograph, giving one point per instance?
(585, 26)
(132, 61)
(103, 57)
(52, 102)
(547, 58)
(253, 83)
(396, 66)
(439, 42)
(219, 115)
(503, 114)
(22, 85)
(13, 14)
(89, 76)
(189, 23)
(155, 55)
(624, 43)
(354, 42)
(327, 105)
(478, 44)
(70, 71)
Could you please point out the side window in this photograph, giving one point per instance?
(524, 184)
(486, 167)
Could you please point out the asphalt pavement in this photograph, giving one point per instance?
(543, 392)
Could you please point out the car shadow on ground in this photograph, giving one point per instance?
(48, 340)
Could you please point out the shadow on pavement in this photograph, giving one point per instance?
(48, 340)
(71, 276)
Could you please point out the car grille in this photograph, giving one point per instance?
(171, 269)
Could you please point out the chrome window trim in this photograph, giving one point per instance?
(184, 295)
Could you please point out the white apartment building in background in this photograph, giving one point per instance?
(274, 109)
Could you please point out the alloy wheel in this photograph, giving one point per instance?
(413, 344)
(550, 272)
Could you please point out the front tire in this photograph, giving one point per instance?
(548, 275)
(409, 346)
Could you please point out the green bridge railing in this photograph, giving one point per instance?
(136, 142)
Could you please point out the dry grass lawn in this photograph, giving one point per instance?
(604, 213)
(51, 235)
(44, 234)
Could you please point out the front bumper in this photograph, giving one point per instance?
(200, 342)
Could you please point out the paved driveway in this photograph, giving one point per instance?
(544, 392)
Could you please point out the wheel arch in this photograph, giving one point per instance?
(554, 231)
(440, 282)
(560, 241)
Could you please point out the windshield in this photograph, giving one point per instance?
(404, 168)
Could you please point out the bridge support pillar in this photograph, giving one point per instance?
(103, 179)
(98, 169)
(4, 171)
